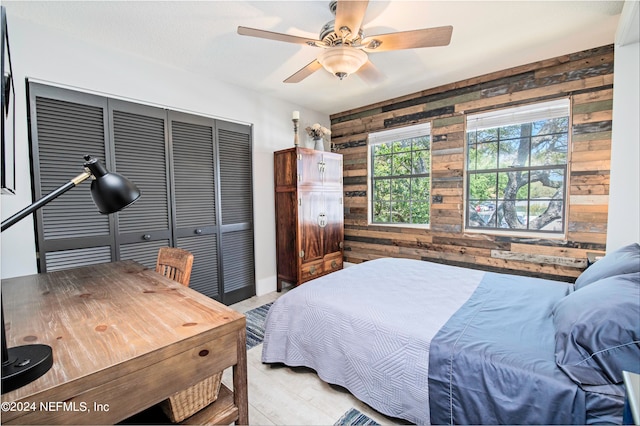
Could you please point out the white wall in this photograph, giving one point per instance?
(46, 55)
(624, 197)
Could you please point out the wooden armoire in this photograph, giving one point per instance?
(309, 214)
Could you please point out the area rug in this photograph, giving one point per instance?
(355, 417)
(255, 324)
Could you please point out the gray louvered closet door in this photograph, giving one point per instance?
(196, 224)
(70, 230)
(194, 174)
(140, 146)
(234, 147)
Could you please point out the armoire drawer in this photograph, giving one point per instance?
(333, 262)
(309, 271)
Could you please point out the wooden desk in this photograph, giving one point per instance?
(124, 338)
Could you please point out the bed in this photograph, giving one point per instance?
(433, 343)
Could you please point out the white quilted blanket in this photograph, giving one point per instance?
(368, 328)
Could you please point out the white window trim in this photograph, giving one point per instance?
(518, 115)
(385, 136)
(512, 116)
(407, 132)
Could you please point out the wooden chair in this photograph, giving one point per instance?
(175, 263)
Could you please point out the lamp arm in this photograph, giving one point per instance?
(111, 192)
(45, 200)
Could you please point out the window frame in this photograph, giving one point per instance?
(390, 136)
(522, 114)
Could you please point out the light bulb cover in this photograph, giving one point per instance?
(342, 60)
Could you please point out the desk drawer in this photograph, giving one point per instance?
(155, 380)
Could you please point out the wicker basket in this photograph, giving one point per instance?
(185, 403)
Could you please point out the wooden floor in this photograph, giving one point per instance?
(279, 395)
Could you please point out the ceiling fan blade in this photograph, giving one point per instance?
(304, 72)
(428, 37)
(370, 74)
(350, 13)
(276, 36)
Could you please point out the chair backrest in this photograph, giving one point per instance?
(175, 263)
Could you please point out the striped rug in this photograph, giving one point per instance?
(255, 324)
(354, 417)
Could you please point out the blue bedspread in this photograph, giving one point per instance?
(493, 361)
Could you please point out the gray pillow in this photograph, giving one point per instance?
(622, 261)
(597, 330)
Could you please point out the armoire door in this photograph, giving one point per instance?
(310, 168)
(192, 143)
(332, 170)
(310, 207)
(333, 232)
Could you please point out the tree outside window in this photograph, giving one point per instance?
(400, 177)
(516, 172)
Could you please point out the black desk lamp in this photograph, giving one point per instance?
(111, 192)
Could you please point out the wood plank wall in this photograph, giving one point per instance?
(585, 77)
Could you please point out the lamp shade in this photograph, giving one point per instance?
(111, 192)
(342, 60)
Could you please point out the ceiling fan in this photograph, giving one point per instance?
(345, 47)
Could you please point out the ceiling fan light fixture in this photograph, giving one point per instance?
(342, 60)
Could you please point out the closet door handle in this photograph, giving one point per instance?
(198, 231)
(146, 237)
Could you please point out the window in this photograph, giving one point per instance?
(400, 175)
(517, 168)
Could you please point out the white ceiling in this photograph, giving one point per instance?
(201, 37)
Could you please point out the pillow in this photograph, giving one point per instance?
(622, 261)
(597, 330)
